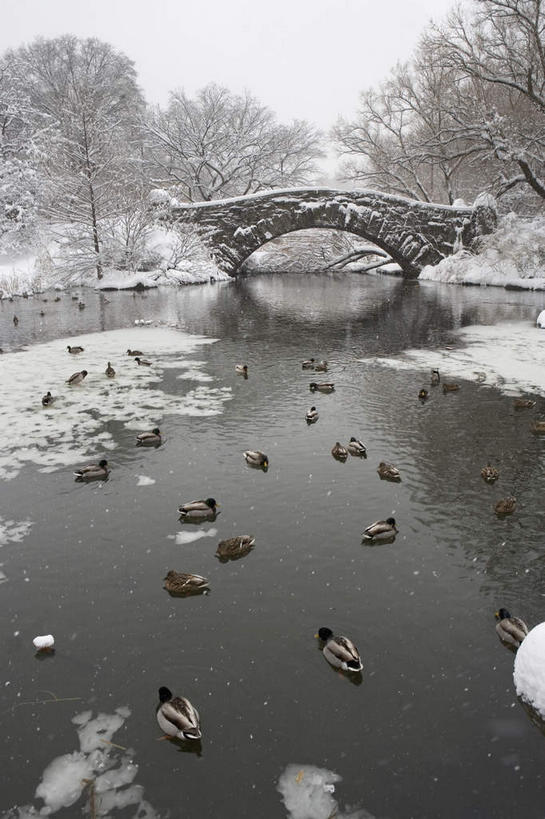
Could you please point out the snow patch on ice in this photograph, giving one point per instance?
(513, 255)
(143, 480)
(190, 536)
(111, 768)
(74, 428)
(529, 671)
(511, 354)
(307, 793)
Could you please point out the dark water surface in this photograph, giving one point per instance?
(433, 727)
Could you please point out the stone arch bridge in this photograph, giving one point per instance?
(413, 233)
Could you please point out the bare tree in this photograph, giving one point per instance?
(220, 144)
(87, 93)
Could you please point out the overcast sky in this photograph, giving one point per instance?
(305, 59)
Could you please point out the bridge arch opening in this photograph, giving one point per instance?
(317, 250)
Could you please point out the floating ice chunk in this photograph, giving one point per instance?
(307, 794)
(189, 537)
(143, 480)
(529, 672)
(541, 320)
(43, 642)
(11, 530)
(61, 783)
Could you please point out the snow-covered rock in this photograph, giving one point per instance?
(529, 673)
(43, 642)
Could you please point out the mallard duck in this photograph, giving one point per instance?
(321, 367)
(511, 630)
(381, 529)
(81, 305)
(388, 472)
(57, 298)
(76, 378)
(450, 387)
(340, 651)
(134, 352)
(74, 350)
(241, 369)
(47, 399)
(15, 320)
(312, 416)
(177, 717)
(490, 474)
(75, 298)
(42, 314)
(182, 583)
(93, 472)
(356, 447)
(110, 372)
(235, 547)
(321, 387)
(523, 403)
(505, 506)
(538, 427)
(423, 395)
(339, 452)
(256, 458)
(199, 510)
(142, 362)
(308, 364)
(435, 378)
(152, 438)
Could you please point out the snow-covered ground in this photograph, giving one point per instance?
(73, 429)
(514, 256)
(510, 355)
(529, 671)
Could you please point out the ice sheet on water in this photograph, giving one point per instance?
(307, 793)
(74, 427)
(13, 531)
(510, 354)
(111, 768)
(143, 480)
(190, 536)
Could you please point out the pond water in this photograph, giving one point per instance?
(432, 727)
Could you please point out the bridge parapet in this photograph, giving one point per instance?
(413, 233)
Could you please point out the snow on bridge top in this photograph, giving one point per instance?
(413, 233)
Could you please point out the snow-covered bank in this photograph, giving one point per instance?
(512, 256)
(511, 355)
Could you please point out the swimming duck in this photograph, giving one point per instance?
(256, 458)
(110, 372)
(321, 367)
(177, 717)
(182, 583)
(340, 651)
(388, 472)
(312, 416)
(423, 395)
(505, 506)
(81, 305)
(234, 547)
(15, 320)
(511, 630)
(321, 387)
(76, 378)
(152, 438)
(381, 529)
(339, 452)
(538, 427)
(142, 362)
(356, 447)
(47, 399)
(93, 472)
(435, 378)
(308, 364)
(74, 350)
(57, 298)
(134, 352)
(199, 510)
(42, 314)
(75, 298)
(450, 387)
(241, 369)
(490, 474)
(523, 403)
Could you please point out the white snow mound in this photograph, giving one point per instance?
(529, 672)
